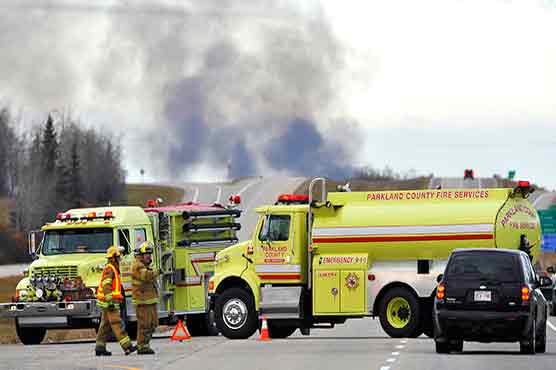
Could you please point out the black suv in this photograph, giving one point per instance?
(490, 295)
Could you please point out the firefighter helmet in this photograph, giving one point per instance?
(112, 252)
(144, 248)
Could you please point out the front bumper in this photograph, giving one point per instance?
(74, 309)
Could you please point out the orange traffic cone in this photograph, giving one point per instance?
(184, 336)
(264, 331)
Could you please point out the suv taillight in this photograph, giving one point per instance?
(440, 291)
(525, 294)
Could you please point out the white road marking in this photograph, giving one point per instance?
(395, 353)
(403, 341)
(550, 325)
(385, 368)
(391, 360)
(400, 347)
(248, 186)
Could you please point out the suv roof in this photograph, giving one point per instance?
(489, 250)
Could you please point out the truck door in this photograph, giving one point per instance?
(274, 250)
(126, 261)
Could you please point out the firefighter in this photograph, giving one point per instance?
(145, 296)
(109, 298)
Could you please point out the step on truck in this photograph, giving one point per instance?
(59, 287)
(314, 262)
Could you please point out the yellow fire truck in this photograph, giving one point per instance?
(59, 289)
(314, 263)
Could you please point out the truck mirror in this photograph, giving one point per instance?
(550, 270)
(439, 278)
(32, 244)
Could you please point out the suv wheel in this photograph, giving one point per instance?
(528, 344)
(540, 345)
(442, 347)
(457, 346)
(400, 313)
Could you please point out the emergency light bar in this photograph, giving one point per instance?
(293, 199)
(89, 216)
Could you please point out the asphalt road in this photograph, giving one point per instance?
(359, 344)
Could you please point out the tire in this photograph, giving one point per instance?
(540, 345)
(427, 319)
(529, 344)
(442, 347)
(30, 336)
(457, 346)
(235, 314)
(400, 313)
(278, 331)
(202, 325)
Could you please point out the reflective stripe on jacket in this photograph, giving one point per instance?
(110, 286)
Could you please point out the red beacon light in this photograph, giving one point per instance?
(235, 199)
(151, 203)
(524, 187)
(293, 199)
(108, 214)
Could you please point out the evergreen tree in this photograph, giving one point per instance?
(75, 183)
(49, 180)
(4, 150)
(49, 147)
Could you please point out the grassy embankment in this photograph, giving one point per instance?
(139, 194)
(368, 185)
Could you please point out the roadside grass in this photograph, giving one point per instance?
(139, 194)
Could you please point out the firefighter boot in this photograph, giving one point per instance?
(145, 351)
(129, 350)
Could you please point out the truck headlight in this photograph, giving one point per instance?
(70, 306)
(13, 308)
(39, 292)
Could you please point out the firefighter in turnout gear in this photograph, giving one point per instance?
(109, 298)
(145, 296)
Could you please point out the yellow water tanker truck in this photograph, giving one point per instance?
(59, 290)
(314, 263)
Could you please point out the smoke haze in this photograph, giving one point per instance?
(238, 90)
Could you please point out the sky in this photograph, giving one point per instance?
(199, 92)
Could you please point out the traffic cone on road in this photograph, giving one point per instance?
(184, 336)
(264, 331)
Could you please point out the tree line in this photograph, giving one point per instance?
(55, 166)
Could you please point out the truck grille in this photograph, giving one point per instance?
(58, 271)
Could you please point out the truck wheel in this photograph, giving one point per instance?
(275, 330)
(528, 344)
(236, 317)
(400, 313)
(30, 335)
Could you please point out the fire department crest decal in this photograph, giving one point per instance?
(352, 281)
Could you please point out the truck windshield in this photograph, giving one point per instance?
(77, 241)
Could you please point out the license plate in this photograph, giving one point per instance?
(483, 296)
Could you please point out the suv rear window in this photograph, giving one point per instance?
(495, 266)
